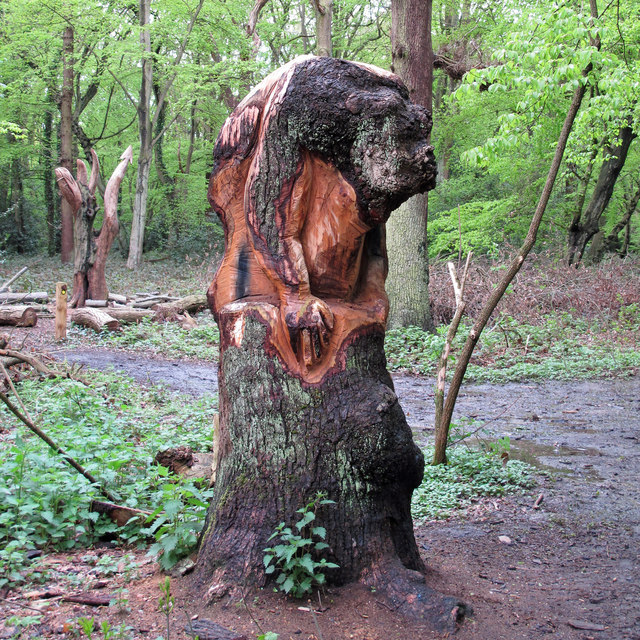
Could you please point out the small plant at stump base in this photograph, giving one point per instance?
(166, 602)
(299, 572)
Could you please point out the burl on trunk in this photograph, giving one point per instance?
(306, 171)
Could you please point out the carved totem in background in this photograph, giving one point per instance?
(91, 248)
(306, 171)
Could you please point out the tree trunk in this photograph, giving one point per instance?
(47, 177)
(306, 402)
(92, 248)
(145, 131)
(324, 10)
(408, 280)
(66, 142)
(94, 319)
(612, 242)
(583, 230)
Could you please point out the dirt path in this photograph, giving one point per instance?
(572, 569)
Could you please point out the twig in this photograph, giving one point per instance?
(315, 621)
(19, 604)
(11, 280)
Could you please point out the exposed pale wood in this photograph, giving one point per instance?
(13, 278)
(61, 311)
(147, 303)
(25, 297)
(116, 297)
(95, 303)
(190, 304)
(94, 319)
(18, 316)
(129, 314)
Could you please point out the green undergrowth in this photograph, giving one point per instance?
(469, 475)
(562, 347)
(114, 429)
(167, 339)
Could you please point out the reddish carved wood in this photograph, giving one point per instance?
(91, 248)
(303, 209)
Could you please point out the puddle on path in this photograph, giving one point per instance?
(549, 457)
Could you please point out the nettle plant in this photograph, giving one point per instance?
(293, 558)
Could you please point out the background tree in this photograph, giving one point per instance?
(408, 281)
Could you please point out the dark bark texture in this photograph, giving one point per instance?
(584, 227)
(306, 171)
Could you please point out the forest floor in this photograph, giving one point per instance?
(561, 560)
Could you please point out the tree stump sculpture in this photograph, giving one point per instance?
(306, 171)
(91, 248)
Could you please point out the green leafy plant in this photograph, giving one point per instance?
(293, 558)
(166, 602)
(114, 429)
(468, 475)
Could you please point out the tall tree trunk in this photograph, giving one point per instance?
(47, 178)
(612, 242)
(580, 232)
(324, 11)
(408, 281)
(66, 141)
(18, 234)
(145, 132)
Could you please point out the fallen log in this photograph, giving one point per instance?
(94, 319)
(147, 303)
(119, 514)
(19, 356)
(95, 303)
(24, 297)
(191, 304)
(90, 599)
(11, 280)
(129, 314)
(116, 297)
(18, 316)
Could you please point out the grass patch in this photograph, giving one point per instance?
(561, 347)
(166, 339)
(114, 429)
(469, 474)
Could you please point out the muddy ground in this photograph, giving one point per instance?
(571, 569)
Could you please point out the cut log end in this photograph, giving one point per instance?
(18, 316)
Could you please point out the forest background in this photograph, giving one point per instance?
(504, 73)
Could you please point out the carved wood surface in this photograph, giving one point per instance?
(306, 171)
(91, 248)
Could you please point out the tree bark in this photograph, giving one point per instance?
(47, 177)
(408, 280)
(324, 11)
(66, 142)
(92, 248)
(307, 405)
(94, 319)
(145, 132)
(582, 230)
(18, 316)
